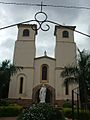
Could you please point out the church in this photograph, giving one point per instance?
(26, 83)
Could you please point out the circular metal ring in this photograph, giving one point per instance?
(38, 13)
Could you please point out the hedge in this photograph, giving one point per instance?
(83, 115)
(10, 111)
(67, 104)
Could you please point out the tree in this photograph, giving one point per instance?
(6, 71)
(79, 73)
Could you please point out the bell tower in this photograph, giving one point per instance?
(65, 51)
(21, 84)
(25, 50)
(65, 54)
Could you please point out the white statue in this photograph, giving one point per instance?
(42, 94)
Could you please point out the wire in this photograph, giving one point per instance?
(63, 6)
(46, 21)
(47, 5)
(14, 3)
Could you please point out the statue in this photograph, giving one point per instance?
(45, 53)
(42, 94)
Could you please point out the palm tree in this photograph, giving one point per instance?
(6, 71)
(79, 73)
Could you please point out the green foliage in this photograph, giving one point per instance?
(79, 73)
(10, 111)
(67, 112)
(67, 104)
(6, 70)
(41, 112)
(83, 115)
(4, 102)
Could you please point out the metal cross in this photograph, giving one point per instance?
(41, 6)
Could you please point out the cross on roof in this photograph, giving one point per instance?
(41, 6)
(45, 53)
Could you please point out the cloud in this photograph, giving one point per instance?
(10, 14)
(8, 43)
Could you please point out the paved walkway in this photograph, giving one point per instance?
(15, 118)
(8, 118)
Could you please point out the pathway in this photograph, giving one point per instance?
(8, 118)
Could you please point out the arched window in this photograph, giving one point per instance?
(66, 88)
(44, 72)
(25, 32)
(65, 34)
(21, 85)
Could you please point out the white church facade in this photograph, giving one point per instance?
(26, 84)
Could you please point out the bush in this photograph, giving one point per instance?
(67, 112)
(41, 111)
(67, 104)
(83, 115)
(10, 111)
(4, 102)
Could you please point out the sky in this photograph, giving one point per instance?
(45, 41)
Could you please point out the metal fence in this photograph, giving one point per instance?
(76, 105)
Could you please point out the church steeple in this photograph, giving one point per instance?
(25, 32)
(65, 51)
(64, 33)
(25, 49)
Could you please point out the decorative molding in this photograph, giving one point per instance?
(59, 68)
(25, 41)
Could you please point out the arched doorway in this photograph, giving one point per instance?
(50, 94)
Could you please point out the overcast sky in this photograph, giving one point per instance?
(10, 14)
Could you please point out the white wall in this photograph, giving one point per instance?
(27, 74)
(51, 72)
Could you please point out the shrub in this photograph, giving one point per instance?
(10, 111)
(4, 102)
(67, 112)
(67, 104)
(83, 115)
(41, 111)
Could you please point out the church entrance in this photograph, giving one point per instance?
(50, 94)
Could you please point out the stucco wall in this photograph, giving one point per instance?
(66, 54)
(51, 71)
(32, 34)
(60, 87)
(27, 74)
(24, 53)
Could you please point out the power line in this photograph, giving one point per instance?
(47, 5)
(14, 3)
(75, 7)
